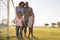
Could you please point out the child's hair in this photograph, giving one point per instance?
(19, 14)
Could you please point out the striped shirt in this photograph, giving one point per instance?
(30, 21)
(19, 21)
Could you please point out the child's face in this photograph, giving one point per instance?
(19, 15)
(31, 14)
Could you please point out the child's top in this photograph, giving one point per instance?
(30, 21)
(19, 21)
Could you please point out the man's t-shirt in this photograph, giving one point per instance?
(26, 12)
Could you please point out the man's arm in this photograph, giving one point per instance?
(32, 12)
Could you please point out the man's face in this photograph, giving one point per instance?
(26, 4)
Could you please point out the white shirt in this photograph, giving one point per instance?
(30, 21)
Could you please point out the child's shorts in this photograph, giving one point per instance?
(30, 28)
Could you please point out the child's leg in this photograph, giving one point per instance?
(32, 31)
(17, 30)
(20, 31)
(29, 32)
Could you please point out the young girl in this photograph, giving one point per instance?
(30, 24)
(19, 24)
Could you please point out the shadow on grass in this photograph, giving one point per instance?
(0, 35)
(15, 38)
(25, 38)
(32, 38)
(20, 39)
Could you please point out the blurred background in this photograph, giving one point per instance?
(46, 11)
(47, 14)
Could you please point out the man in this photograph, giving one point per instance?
(27, 10)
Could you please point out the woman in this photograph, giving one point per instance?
(20, 8)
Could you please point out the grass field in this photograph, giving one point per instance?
(39, 34)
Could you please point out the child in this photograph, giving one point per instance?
(30, 24)
(19, 23)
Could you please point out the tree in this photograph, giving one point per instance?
(13, 22)
(46, 24)
(4, 21)
(58, 23)
(53, 24)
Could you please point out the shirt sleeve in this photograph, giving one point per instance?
(17, 9)
(31, 10)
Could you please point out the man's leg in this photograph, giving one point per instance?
(25, 28)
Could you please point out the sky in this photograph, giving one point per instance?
(46, 11)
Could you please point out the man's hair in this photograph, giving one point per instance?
(26, 3)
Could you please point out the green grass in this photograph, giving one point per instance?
(39, 34)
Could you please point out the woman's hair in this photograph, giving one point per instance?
(21, 3)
